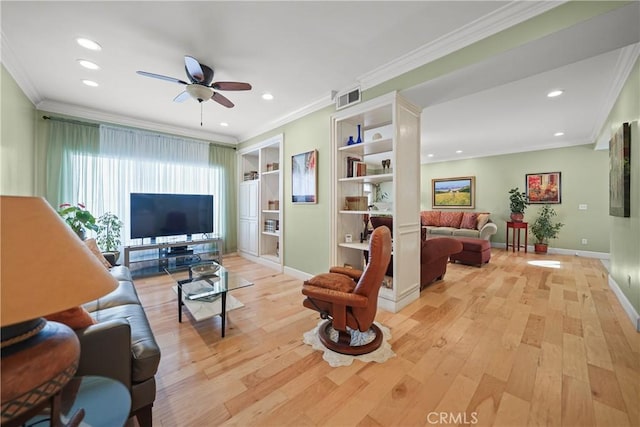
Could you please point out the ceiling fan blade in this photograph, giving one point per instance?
(161, 77)
(194, 70)
(183, 96)
(231, 86)
(222, 100)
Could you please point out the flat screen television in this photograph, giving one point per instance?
(155, 215)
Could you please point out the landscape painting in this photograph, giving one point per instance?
(454, 192)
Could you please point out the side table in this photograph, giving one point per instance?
(514, 242)
(106, 403)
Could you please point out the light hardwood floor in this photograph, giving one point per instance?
(508, 344)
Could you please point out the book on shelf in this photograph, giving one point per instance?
(360, 168)
(350, 166)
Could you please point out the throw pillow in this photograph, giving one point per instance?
(450, 219)
(93, 247)
(469, 220)
(431, 218)
(75, 318)
(483, 218)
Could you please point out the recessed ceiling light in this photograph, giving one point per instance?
(558, 134)
(90, 83)
(267, 96)
(88, 64)
(88, 44)
(555, 93)
(224, 124)
(458, 151)
(429, 155)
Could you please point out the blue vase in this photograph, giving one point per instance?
(350, 141)
(359, 140)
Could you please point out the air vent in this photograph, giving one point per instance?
(346, 99)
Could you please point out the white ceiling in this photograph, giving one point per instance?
(302, 51)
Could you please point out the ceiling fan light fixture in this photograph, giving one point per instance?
(88, 44)
(267, 96)
(199, 92)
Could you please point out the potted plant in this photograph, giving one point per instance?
(543, 229)
(108, 239)
(518, 203)
(78, 217)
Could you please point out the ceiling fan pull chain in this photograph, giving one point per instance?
(201, 114)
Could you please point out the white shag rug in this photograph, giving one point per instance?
(334, 359)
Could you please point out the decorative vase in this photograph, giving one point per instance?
(350, 141)
(359, 140)
(517, 216)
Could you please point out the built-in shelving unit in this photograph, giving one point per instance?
(260, 209)
(390, 133)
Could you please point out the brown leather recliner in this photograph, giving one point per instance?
(434, 253)
(349, 298)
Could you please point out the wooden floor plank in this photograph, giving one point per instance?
(515, 343)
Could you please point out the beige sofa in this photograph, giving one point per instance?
(458, 224)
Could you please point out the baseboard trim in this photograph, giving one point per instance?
(297, 273)
(626, 304)
(559, 251)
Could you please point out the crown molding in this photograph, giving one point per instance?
(309, 108)
(104, 117)
(11, 63)
(505, 17)
(502, 152)
(624, 65)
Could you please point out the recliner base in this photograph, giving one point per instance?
(343, 345)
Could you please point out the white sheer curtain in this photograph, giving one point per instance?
(136, 161)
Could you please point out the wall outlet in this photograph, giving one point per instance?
(582, 207)
(584, 241)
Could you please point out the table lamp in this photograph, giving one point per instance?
(44, 268)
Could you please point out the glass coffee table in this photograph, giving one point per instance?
(203, 288)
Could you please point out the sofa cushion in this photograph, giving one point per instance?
(124, 294)
(445, 231)
(463, 232)
(145, 352)
(450, 219)
(430, 218)
(121, 273)
(469, 220)
(483, 218)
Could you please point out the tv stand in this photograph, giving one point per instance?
(150, 259)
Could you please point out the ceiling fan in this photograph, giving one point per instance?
(201, 87)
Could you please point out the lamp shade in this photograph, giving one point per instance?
(44, 266)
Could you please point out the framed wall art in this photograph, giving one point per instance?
(620, 172)
(304, 177)
(454, 192)
(543, 188)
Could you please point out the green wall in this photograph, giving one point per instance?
(496, 175)
(17, 168)
(625, 232)
(307, 229)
